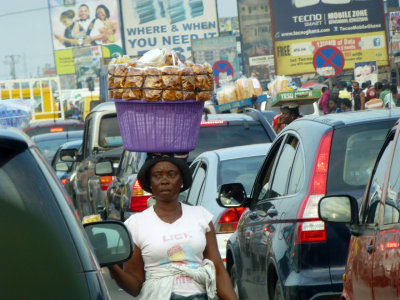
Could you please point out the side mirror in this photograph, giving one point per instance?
(68, 155)
(111, 241)
(104, 168)
(62, 166)
(231, 195)
(338, 209)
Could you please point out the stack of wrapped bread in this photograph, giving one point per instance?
(242, 88)
(159, 76)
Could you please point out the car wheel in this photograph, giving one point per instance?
(233, 275)
(278, 291)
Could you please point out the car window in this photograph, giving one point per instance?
(267, 169)
(240, 170)
(239, 134)
(297, 175)
(353, 155)
(109, 135)
(124, 162)
(86, 138)
(392, 204)
(376, 186)
(198, 182)
(283, 168)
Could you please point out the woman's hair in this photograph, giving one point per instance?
(69, 14)
(393, 88)
(105, 10)
(346, 102)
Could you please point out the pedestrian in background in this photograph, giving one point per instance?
(385, 89)
(373, 101)
(323, 101)
(345, 105)
(390, 100)
(333, 106)
(358, 97)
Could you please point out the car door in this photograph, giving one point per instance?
(386, 256)
(271, 212)
(254, 221)
(360, 266)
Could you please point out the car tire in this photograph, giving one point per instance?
(278, 291)
(233, 275)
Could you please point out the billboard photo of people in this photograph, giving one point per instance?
(86, 23)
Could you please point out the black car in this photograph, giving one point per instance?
(125, 196)
(46, 252)
(281, 248)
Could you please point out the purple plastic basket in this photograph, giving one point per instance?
(159, 126)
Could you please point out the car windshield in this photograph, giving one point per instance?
(240, 170)
(213, 137)
(50, 147)
(353, 155)
(110, 135)
(56, 128)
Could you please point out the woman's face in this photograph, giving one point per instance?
(66, 21)
(332, 104)
(287, 117)
(101, 14)
(166, 181)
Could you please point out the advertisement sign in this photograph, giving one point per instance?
(364, 71)
(87, 64)
(394, 33)
(64, 61)
(217, 49)
(255, 31)
(356, 28)
(167, 24)
(85, 23)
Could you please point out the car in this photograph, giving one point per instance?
(125, 196)
(281, 248)
(52, 126)
(372, 266)
(48, 143)
(64, 168)
(40, 230)
(213, 168)
(101, 135)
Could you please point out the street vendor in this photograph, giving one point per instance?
(288, 114)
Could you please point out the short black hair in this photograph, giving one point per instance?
(346, 102)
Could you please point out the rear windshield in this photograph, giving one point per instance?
(239, 134)
(110, 136)
(240, 170)
(55, 128)
(353, 154)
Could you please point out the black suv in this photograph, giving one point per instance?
(125, 196)
(281, 248)
(44, 247)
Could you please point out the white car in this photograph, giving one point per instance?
(212, 169)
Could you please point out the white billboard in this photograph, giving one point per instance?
(150, 24)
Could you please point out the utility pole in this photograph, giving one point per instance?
(12, 60)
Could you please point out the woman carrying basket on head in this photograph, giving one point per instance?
(175, 253)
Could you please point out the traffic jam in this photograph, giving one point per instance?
(204, 149)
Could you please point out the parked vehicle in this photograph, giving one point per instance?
(101, 134)
(48, 143)
(281, 248)
(62, 168)
(41, 231)
(214, 168)
(372, 267)
(53, 126)
(125, 195)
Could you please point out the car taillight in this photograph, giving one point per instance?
(138, 198)
(213, 123)
(310, 228)
(105, 182)
(63, 181)
(228, 220)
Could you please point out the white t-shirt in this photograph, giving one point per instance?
(389, 101)
(182, 242)
(97, 25)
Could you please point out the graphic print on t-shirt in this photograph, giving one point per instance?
(181, 255)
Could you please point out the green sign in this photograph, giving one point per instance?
(298, 97)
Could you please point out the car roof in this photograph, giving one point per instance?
(106, 106)
(239, 151)
(354, 117)
(17, 135)
(55, 122)
(57, 135)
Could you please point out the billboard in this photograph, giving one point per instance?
(85, 23)
(357, 28)
(255, 31)
(167, 24)
(217, 49)
(394, 34)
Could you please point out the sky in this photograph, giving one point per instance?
(25, 32)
